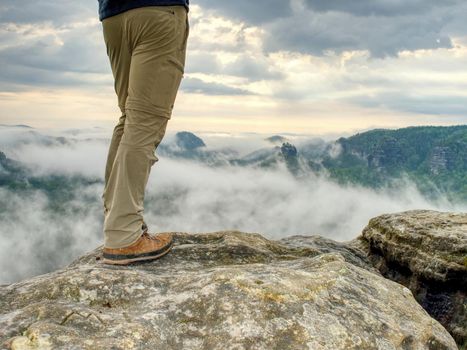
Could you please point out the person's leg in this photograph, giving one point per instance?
(157, 40)
(114, 142)
(120, 59)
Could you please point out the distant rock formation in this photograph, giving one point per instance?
(12, 172)
(227, 290)
(427, 252)
(189, 146)
(288, 150)
(277, 139)
(188, 141)
(290, 154)
(442, 158)
(16, 126)
(433, 158)
(387, 156)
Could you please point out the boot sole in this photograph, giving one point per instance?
(136, 259)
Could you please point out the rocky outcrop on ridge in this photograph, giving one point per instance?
(426, 251)
(220, 290)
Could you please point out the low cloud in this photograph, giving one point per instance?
(198, 86)
(253, 12)
(317, 33)
(59, 13)
(36, 238)
(44, 55)
(388, 8)
(181, 196)
(383, 27)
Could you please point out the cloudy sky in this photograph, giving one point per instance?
(269, 66)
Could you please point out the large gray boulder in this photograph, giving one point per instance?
(426, 251)
(221, 290)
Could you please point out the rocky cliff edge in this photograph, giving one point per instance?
(237, 290)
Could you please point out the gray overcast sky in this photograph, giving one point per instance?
(305, 66)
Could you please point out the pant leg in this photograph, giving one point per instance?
(156, 37)
(115, 141)
(120, 59)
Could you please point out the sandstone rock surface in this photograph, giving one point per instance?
(426, 251)
(221, 290)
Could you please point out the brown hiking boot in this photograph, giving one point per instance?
(147, 247)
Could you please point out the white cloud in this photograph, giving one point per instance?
(180, 196)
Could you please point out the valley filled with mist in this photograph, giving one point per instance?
(277, 185)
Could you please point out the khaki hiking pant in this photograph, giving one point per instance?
(147, 48)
